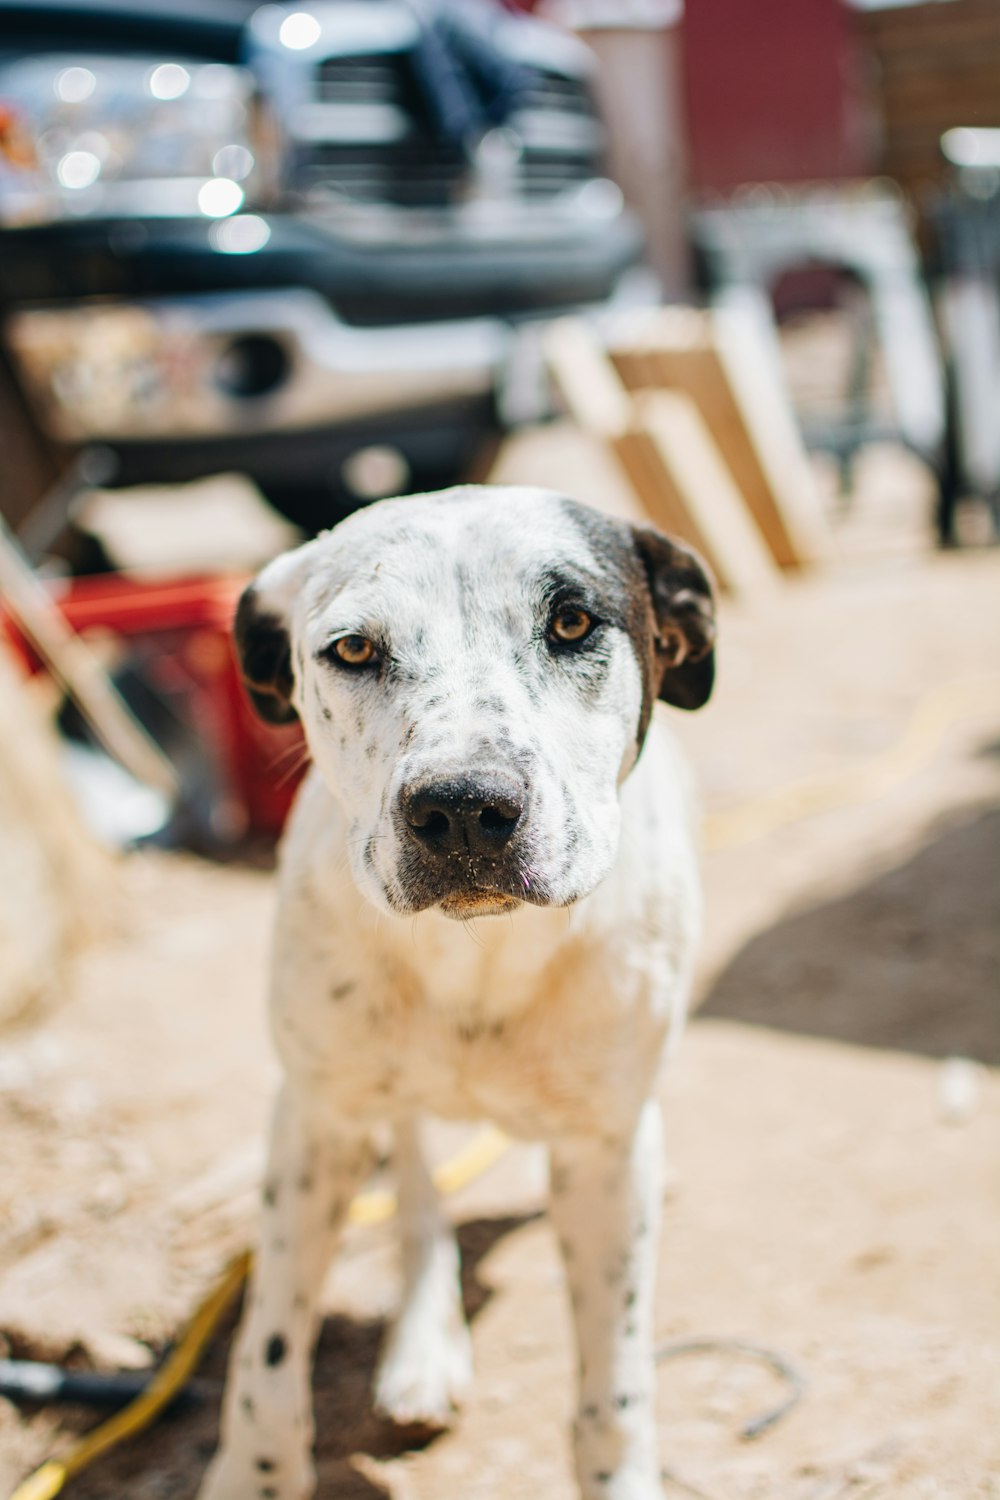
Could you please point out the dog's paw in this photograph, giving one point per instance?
(421, 1381)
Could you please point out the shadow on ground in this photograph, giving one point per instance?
(168, 1463)
(910, 961)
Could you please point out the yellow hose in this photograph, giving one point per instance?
(163, 1387)
(934, 715)
(486, 1147)
(374, 1207)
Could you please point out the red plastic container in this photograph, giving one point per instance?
(182, 631)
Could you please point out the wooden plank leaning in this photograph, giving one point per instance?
(668, 455)
(728, 367)
(76, 667)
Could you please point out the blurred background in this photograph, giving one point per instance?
(730, 269)
(261, 265)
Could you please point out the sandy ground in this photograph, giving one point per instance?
(835, 1189)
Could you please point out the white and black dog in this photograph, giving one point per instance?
(475, 672)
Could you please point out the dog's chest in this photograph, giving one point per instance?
(532, 1033)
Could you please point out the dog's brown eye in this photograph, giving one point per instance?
(355, 650)
(570, 625)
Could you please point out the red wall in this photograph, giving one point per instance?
(776, 91)
(772, 92)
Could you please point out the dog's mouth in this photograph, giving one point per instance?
(477, 903)
(467, 887)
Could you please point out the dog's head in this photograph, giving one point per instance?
(475, 673)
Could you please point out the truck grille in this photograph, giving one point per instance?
(362, 78)
(556, 91)
(407, 165)
(408, 173)
(547, 173)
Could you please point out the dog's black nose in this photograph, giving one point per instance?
(464, 814)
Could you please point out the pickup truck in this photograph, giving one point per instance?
(313, 242)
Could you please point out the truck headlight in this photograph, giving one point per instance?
(110, 136)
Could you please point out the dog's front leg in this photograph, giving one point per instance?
(606, 1200)
(426, 1364)
(314, 1167)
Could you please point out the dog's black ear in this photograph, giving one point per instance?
(265, 651)
(684, 610)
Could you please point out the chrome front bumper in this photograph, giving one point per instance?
(232, 363)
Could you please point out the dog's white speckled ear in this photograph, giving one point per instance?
(684, 607)
(262, 631)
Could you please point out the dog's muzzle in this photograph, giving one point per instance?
(460, 833)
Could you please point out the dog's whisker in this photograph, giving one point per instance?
(290, 760)
(288, 753)
(294, 768)
(470, 928)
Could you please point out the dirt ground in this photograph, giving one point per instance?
(835, 1188)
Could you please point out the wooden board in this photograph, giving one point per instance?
(562, 456)
(586, 379)
(664, 448)
(750, 361)
(717, 360)
(690, 493)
